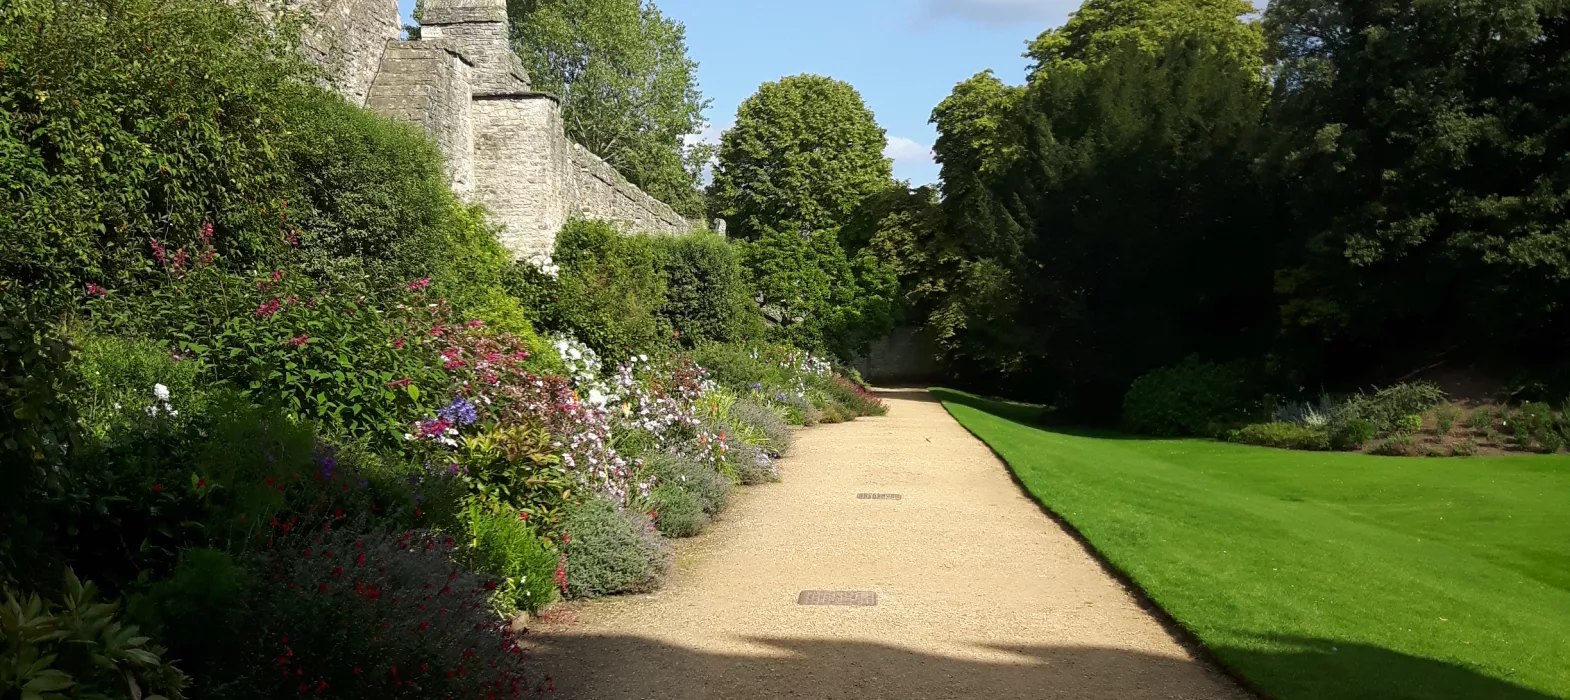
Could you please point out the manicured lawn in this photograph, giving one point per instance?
(1320, 575)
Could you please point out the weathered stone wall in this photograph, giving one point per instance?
(428, 86)
(907, 354)
(348, 38)
(505, 145)
(521, 169)
(599, 192)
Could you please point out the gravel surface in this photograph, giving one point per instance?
(979, 594)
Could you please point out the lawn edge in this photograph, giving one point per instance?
(1184, 636)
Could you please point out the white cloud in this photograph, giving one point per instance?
(906, 151)
(710, 134)
(1000, 13)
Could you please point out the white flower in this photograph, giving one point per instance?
(161, 392)
(152, 411)
(173, 412)
(407, 436)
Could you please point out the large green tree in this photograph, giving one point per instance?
(629, 90)
(1102, 28)
(1421, 157)
(804, 149)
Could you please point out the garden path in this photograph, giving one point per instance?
(979, 594)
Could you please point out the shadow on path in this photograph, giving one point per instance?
(611, 667)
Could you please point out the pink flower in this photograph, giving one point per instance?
(399, 383)
(207, 233)
(419, 284)
(302, 340)
(95, 290)
(476, 324)
(158, 251)
(268, 309)
(277, 275)
(454, 364)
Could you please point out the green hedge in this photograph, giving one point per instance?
(706, 293)
(1191, 398)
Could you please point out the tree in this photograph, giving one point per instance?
(1103, 27)
(1419, 155)
(804, 149)
(629, 91)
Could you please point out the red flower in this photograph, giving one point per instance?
(476, 324)
(419, 284)
(203, 482)
(268, 309)
(95, 290)
(158, 488)
(302, 340)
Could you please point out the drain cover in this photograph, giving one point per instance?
(861, 598)
(879, 496)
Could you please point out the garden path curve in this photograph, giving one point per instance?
(979, 594)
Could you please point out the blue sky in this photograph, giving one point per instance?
(903, 55)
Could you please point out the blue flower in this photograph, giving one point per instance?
(459, 411)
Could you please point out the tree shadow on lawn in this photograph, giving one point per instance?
(616, 666)
(1028, 415)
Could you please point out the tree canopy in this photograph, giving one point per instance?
(629, 90)
(804, 149)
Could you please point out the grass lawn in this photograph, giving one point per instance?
(1323, 575)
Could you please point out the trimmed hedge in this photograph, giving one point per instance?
(1192, 398)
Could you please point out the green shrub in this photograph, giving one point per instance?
(137, 120)
(706, 293)
(519, 470)
(776, 434)
(710, 487)
(507, 548)
(80, 651)
(1388, 407)
(38, 422)
(1284, 435)
(677, 511)
(1395, 446)
(1464, 448)
(1351, 434)
(1445, 419)
(1191, 398)
(604, 288)
(195, 611)
(119, 380)
(1549, 441)
(853, 397)
(1481, 420)
(612, 550)
(1409, 425)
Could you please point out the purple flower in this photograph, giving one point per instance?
(459, 411)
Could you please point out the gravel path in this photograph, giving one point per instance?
(979, 595)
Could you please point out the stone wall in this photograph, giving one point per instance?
(599, 192)
(348, 39)
(429, 86)
(521, 169)
(904, 355)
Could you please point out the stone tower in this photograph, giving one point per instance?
(504, 144)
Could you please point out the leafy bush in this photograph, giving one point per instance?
(37, 423)
(776, 434)
(140, 120)
(677, 511)
(1191, 398)
(612, 550)
(1445, 419)
(603, 287)
(1464, 448)
(1395, 446)
(1387, 408)
(1408, 425)
(194, 611)
(855, 398)
(711, 488)
(517, 469)
(1284, 435)
(1482, 420)
(120, 380)
(1309, 415)
(1351, 434)
(78, 649)
(706, 293)
(525, 564)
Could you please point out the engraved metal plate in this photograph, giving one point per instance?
(879, 496)
(860, 598)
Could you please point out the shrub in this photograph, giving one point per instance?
(1396, 446)
(1309, 415)
(710, 487)
(776, 434)
(1191, 398)
(517, 470)
(612, 550)
(1481, 420)
(752, 465)
(602, 287)
(1408, 425)
(706, 293)
(508, 549)
(1351, 434)
(1284, 435)
(1445, 419)
(1388, 407)
(78, 651)
(1464, 448)
(1549, 441)
(677, 511)
(120, 378)
(371, 613)
(195, 611)
(38, 423)
(855, 398)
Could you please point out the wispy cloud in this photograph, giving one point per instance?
(907, 151)
(999, 13)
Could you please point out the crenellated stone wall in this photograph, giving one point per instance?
(505, 144)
